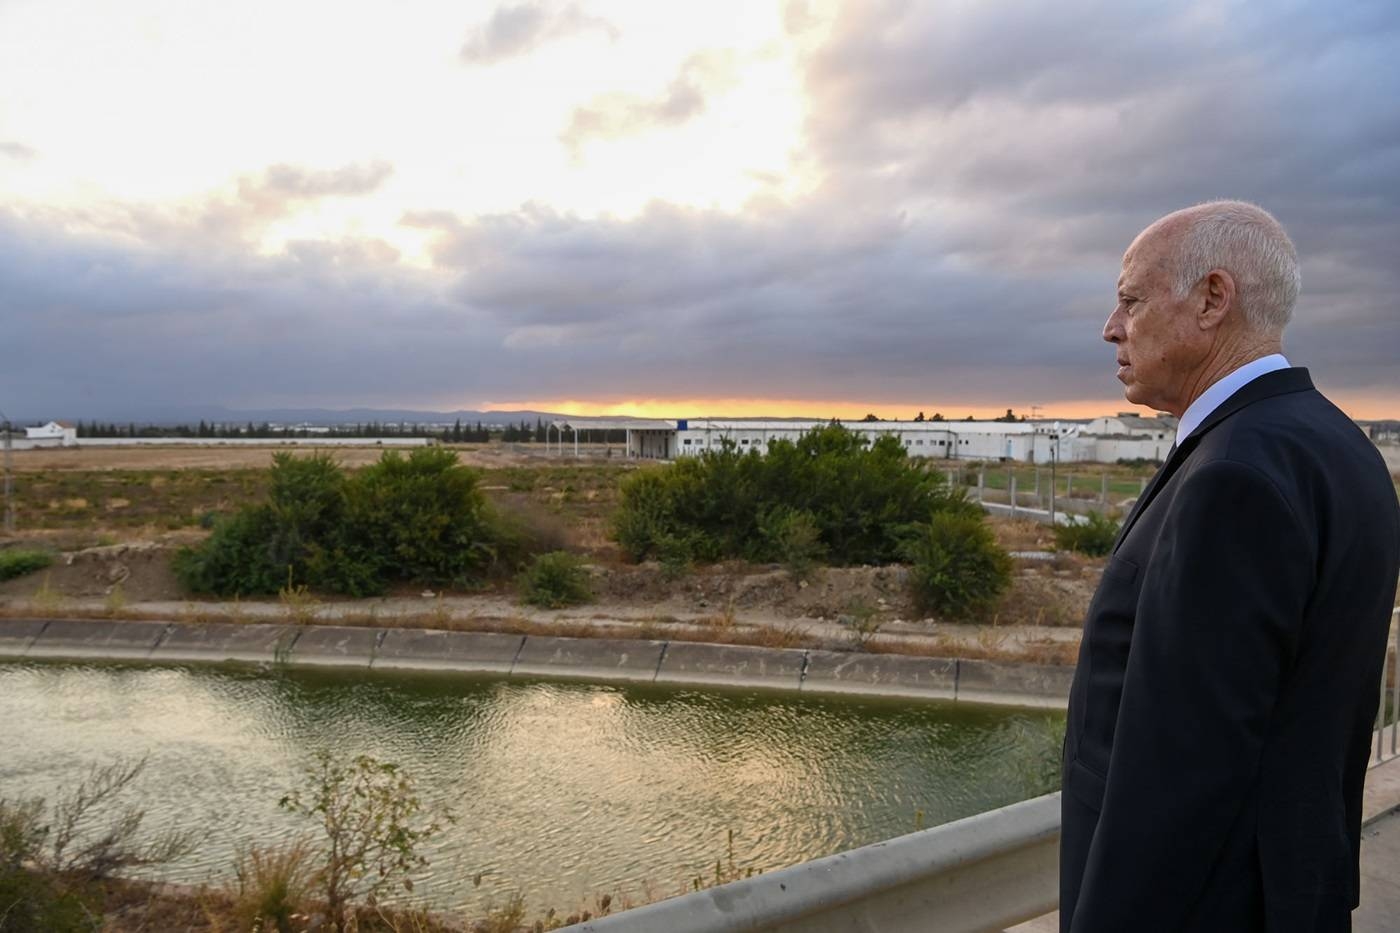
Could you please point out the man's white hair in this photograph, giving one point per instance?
(1246, 241)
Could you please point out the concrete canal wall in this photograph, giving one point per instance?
(605, 660)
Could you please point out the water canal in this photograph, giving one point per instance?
(561, 791)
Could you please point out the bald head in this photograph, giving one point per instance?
(1242, 239)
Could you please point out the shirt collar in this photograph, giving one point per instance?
(1226, 386)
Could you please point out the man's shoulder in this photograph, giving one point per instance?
(1290, 434)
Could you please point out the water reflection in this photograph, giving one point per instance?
(560, 790)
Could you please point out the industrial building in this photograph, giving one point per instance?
(1027, 441)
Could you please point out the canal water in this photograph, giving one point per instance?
(561, 791)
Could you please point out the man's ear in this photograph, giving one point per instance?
(1218, 298)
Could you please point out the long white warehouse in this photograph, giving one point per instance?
(1027, 441)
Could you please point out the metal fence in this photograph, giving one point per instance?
(1387, 744)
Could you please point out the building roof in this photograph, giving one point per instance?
(614, 424)
(931, 427)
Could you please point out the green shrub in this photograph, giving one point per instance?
(420, 519)
(1094, 537)
(555, 580)
(239, 558)
(16, 562)
(854, 494)
(423, 516)
(957, 568)
(794, 539)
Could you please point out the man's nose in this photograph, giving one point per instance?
(1113, 328)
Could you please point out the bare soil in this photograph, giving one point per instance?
(248, 457)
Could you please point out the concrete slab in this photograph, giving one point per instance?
(334, 646)
(419, 650)
(883, 674)
(213, 642)
(16, 635)
(589, 658)
(1040, 685)
(96, 638)
(687, 662)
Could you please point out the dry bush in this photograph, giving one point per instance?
(1022, 534)
(273, 886)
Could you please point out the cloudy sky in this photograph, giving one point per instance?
(729, 207)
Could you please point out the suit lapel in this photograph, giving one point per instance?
(1278, 382)
(1174, 458)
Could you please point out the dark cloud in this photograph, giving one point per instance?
(981, 166)
(611, 116)
(516, 29)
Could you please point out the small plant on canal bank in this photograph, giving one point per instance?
(373, 822)
(555, 580)
(957, 568)
(1094, 537)
(54, 858)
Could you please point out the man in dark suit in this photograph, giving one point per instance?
(1221, 713)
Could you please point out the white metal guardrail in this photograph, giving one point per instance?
(1387, 746)
(985, 872)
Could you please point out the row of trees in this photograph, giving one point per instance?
(1009, 417)
(459, 433)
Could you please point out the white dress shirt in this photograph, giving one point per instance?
(1219, 391)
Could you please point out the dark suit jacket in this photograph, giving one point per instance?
(1221, 713)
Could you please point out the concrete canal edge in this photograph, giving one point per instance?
(603, 660)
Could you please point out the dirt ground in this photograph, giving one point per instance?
(117, 516)
(125, 577)
(187, 457)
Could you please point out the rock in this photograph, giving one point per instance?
(428, 594)
(117, 573)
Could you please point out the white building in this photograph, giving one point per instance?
(953, 440)
(1129, 436)
(57, 433)
(1131, 424)
(661, 439)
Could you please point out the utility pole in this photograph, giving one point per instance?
(1053, 457)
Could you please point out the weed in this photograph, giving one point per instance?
(1094, 536)
(505, 919)
(440, 617)
(861, 623)
(374, 825)
(272, 885)
(47, 601)
(115, 601)
(300, 605)
(723, 621)
(555, 580)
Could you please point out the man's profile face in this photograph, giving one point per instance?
(1152, 330)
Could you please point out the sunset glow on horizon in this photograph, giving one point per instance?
(1360, 408)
